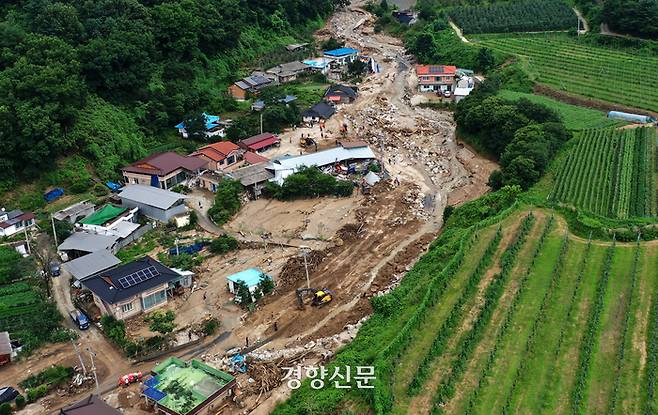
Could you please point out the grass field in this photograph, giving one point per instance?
(566, 64)
(574, 117)
(610, 172)
(535, 321)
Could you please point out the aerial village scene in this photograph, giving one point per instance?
(328, 207)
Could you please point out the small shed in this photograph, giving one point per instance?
(251, 277)
(5, 348)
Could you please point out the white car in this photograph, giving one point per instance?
(447, 94)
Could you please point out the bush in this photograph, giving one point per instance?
(100, 190)
(53, 376)
(227, 201)
(36, 393)
(223, 244)
(20, 401)
(210, 326)
(309, 182)
(5, 408)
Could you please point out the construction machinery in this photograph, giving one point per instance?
(306, 142)
(318, 299)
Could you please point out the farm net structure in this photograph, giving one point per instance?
(610, 172)
(578, 67)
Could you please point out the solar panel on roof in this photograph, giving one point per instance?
(138, 277)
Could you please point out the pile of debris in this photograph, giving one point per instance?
(293, 270)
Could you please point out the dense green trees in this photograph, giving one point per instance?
(145, 64)
(635, 17)
(523, 135)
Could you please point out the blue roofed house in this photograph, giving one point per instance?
(342, 56)
(251, 277)
(214, 126)
(134, 288)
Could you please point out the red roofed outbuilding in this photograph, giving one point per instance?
(260, 142)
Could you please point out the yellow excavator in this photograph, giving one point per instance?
(318, 299)
(306, 142)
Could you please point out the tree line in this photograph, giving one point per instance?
(523, 135)
(143, 65)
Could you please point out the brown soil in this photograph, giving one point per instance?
(588, 102)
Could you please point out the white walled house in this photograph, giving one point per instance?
(15, 221)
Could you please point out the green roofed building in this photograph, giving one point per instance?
(106, 214)
(177, 387)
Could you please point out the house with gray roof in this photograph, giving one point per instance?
(158, 204)
(138, 287)
(319, 111)
(91, 264)
(287, 72)
(82, 243)
(284, 167)
(250, 84)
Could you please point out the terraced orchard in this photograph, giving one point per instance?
(611, 172)
(566, 64)
(533, 321)
(520, 16)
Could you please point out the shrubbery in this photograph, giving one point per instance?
(223, 244)
(309, 182)
(227, 201)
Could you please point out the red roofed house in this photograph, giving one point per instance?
(219, 155)
(435, 78)
(15, 221)
(253, 158)
(260, 142)
(163, 170)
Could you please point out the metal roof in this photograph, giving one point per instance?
(322, 158)
(5, 343)
(87, 242)
(91, 264)
(212, 121)
(74, 210)
(93, 405)
(151, 196)
(250, 276)
(341, 52)
(253, 174)
(108, 285)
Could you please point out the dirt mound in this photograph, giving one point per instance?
(294, 271)
(349, 232)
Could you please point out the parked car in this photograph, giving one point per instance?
(55, 269)
(447, 94)
(7, 394)
(79, 319)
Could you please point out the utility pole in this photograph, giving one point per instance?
(77, 352)
(176, 242)
(305, 250)
(52, 221)
(261, 122)
(93, 368)
(27, 241)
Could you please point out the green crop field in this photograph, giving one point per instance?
(515, 316)
(574, 117)
(521, 16)
(18, 301)
(566, 64)
(533, 321)
(610, 172)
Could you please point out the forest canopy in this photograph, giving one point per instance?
(144, 63)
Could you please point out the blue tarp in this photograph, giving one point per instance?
(54, 194)
(151, 382)
(188, 249)
(155, 394)
(211, 121)
(113, 186)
